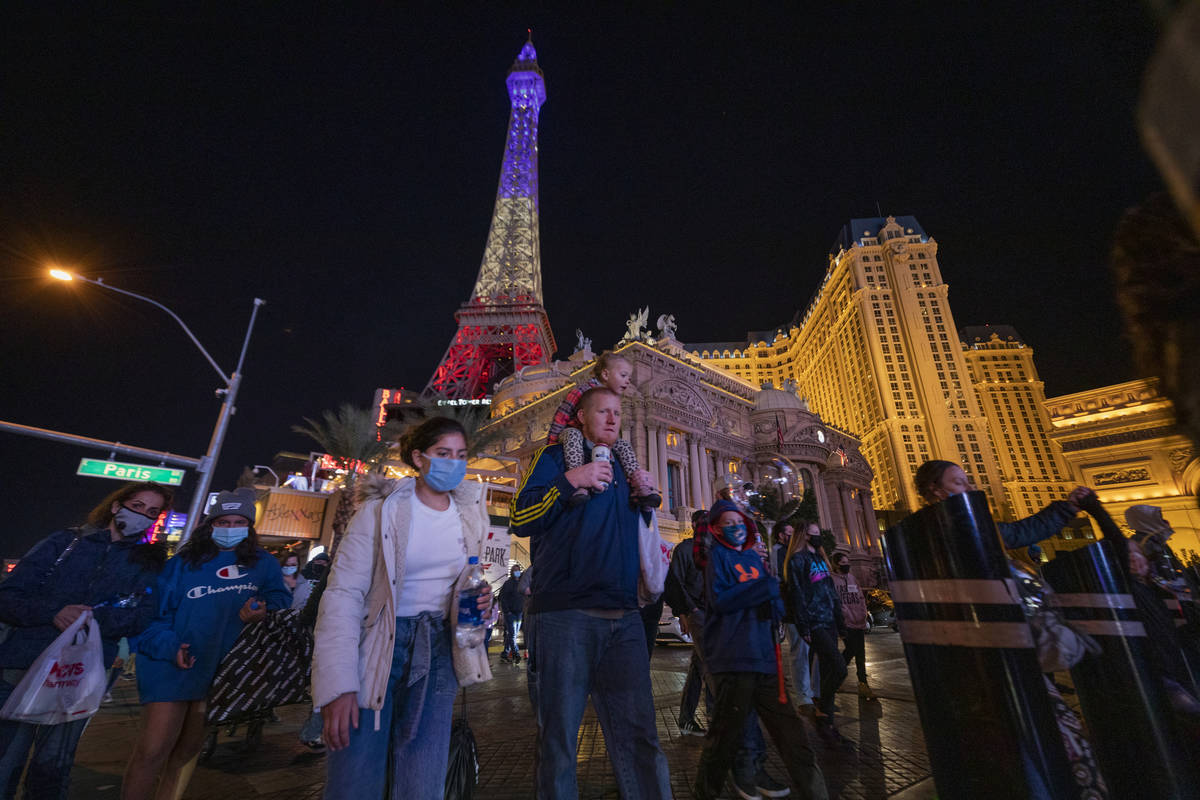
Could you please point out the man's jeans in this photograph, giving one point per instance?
(580, 655)
(49, 775)
(512, 624)
(801, 670)
(405, 757)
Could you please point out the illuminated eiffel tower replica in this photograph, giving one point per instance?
(504, 327)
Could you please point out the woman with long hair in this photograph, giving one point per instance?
(105, 568)
(387, 665)
(217, 583)
(817, 613)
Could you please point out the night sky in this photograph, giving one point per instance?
(341, 163)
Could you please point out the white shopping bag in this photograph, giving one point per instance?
(655, 557)
(67, 680)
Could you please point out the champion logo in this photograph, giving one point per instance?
(230, 573)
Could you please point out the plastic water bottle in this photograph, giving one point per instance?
(470, 630)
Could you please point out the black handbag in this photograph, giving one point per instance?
(462, 767)
(268, 666)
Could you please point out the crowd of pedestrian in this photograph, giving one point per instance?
(397, 621)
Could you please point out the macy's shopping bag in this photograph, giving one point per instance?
(67, 680)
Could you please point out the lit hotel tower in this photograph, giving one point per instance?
(877, 353)
(503, 327)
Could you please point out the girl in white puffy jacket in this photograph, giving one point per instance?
(385, 666)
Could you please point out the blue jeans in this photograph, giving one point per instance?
(801, 671)
(512, 624)
(580, 655)
(49, 774)
(402, 754)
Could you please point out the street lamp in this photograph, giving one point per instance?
(232, 382)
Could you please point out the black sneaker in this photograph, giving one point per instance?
(745, 789)
(769, 787)
(832, 738)
(516, 659)
(652, 500)
(691, 729)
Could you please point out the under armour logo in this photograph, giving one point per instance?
(743, 575)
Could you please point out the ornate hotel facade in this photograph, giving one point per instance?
(872, 378)
(877, 352)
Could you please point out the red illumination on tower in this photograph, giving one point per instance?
(504, 327)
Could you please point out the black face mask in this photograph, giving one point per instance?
(317, 571)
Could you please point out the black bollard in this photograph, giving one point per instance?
(989, 723)
(1125, 706)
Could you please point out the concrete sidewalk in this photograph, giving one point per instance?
(888, 760)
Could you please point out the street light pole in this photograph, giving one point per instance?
(205, 468)
(228, 409)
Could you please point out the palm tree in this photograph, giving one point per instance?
(349, 435)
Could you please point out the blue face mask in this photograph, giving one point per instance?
(735, 534)
(229, 537)
(445, 474)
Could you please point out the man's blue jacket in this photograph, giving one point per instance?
(587, 556)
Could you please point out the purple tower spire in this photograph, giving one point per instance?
(511, 264)
(504, 327)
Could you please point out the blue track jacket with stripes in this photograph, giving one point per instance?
(587, 556)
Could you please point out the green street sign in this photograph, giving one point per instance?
(129, 472)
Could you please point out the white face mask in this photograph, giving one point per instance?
(130, 522)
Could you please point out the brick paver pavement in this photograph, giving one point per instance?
(888, 759)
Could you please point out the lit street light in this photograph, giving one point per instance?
(232, 382)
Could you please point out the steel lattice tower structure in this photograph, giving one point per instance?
(504, 327)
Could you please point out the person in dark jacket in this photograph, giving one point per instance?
(743, 605)
(936, 480)
(584, 609)
(683, 591)
(817, 613)
(103, 568)
(512, 605)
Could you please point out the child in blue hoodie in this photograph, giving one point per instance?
(217, 583)
(743, 606)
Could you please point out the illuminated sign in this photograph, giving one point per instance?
(383, 399)
(291, 515)
(129, 472)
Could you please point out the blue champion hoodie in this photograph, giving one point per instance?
(200, 606)
(737, 585)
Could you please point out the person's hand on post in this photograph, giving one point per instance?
(338, 718)
(68, 614)
(1079, 496)
(484, 603)
(254, 610)
(183, 659)
(594, 475)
